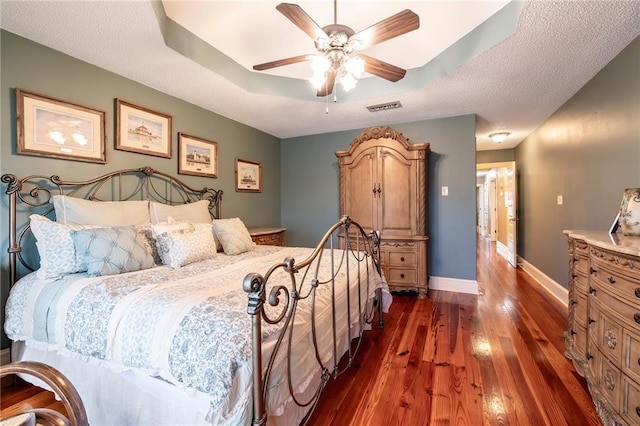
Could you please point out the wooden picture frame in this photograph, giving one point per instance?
(141, 130)
(49, 127)
(248, 176)
(197, 156)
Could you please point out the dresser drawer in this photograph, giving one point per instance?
(403, 275)
(609, 381)
(580, 309)
(630, 409)
(581, 283)
(579, 343)
(631, 355)
(621, 309)
(581, 264)
(623, 286)
(610, 337)
(402, 258)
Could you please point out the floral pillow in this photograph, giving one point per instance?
(233, 235)
(184, 246)
(112, 250)
(55, 247)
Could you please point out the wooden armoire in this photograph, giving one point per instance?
(383, 187)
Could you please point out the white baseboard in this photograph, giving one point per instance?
(453, 284)
(552, 287)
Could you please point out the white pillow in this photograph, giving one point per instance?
(57, 252)
(233, 235)
(197, 212)
(182, 247)
(78, 211)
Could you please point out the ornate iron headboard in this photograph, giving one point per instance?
(35, 193)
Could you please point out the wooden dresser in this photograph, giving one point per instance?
(268, 236)
(383, 187)
(603, 338)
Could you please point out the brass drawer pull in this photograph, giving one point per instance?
(402, 259)
(574, 302)
(638, 410)
(611, 280)
(592, 290)
(592, 271)
(636, 317)
(401, 275)
(573, 333)
(637, 292)
(591, 320)
(589, 357)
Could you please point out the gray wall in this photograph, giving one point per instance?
(310, 189)
(589, 152)
(38, 69)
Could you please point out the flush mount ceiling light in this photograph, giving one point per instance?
(336, 44)
(499, 137)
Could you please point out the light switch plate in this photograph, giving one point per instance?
(445, 191)
(560, 200)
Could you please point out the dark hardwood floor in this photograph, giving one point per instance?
(457, 359)
(453, 359)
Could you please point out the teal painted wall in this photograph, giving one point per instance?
(35, 68)
(310, 203)
(589, 152)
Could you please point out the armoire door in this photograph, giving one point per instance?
(360, 199)
(396, 201)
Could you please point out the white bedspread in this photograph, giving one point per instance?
(188, 326)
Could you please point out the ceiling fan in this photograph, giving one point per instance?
(336, 45)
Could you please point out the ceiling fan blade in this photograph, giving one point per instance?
(295, 14)
(382, 69)
(281, 62)
(394, 26)
(327, 87)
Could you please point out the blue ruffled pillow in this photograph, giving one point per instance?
(113, 250)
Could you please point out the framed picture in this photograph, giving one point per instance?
(197, 156)
(248, 176)
(142, 130)
(49, 127)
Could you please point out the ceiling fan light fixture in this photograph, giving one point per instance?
(355, 66)
(348, 81)
(499, 137)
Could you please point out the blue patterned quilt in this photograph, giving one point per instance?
(188, 326)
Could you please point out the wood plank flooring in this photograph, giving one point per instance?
(457, 359)
(453, 359)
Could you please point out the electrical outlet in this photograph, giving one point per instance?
(445, 191)
(559, 200)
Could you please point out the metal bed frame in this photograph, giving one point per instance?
(33, 194)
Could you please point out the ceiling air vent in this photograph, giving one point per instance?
(384, 107)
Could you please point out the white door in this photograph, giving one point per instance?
(511, 204)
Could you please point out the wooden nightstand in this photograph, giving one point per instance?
(268, 236)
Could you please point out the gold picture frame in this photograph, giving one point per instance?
(141, 130)
(49, 127)
(248, 176)
(197, 156)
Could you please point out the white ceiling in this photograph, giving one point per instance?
(511, 64)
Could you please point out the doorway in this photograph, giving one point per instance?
(497, 207)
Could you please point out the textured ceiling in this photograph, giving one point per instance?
(520, 64)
